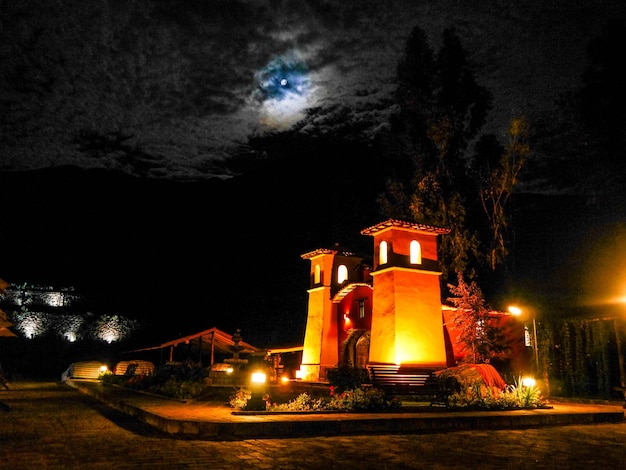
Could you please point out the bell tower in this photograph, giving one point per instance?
(331, 269)
(407, 326)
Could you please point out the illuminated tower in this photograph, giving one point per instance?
(331, 269)
(407, 327)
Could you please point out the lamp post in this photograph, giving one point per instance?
(620, 357)
(516, 311)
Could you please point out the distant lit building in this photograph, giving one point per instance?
(44, 298)
(39, 310)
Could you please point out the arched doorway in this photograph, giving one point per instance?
(356, 349)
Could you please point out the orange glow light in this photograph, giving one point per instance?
(513, 310)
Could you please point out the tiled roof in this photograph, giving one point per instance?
(431, 229)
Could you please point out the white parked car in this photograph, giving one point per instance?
(136, 367)
(84, 370)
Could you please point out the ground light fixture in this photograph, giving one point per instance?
(256, 402)
(258, 378)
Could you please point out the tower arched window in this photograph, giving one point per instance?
(416, 252)
(342, 273)
(382, 253)
(317, 274)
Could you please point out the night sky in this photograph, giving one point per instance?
(123, 125)
(170, 89)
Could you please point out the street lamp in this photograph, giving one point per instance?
(516, 311)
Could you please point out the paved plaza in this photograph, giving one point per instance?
(52, 425)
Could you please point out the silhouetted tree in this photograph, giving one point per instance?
(497, 170)
(442, 110)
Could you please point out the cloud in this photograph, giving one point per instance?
(184, 83)
(284, 91)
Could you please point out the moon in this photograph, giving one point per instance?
(284, 90)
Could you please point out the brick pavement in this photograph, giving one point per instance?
(50, 425)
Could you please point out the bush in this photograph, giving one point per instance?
(303, 402)
(359, 399)
(240, 398)
(182, 381)
(183, 389)
(362, 399)
(477, 396)
(347, 378)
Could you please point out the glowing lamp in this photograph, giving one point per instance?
(529, 382)
(258, 378)
(515, 310)
(257, 401)
(103, 368)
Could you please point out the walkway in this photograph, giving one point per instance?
(52, 426)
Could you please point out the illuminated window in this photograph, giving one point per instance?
(382, 253)
(317, 276)
(362, 308)
(342, 273)
(416, 252)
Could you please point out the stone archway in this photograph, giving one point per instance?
(356, 349)
(362, 350)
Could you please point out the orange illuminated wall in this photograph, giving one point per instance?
(354, 310)
(331, 271)
(395, 308)
(320, 327)
(407, 326)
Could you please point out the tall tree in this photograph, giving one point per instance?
(496, 171)
(442, 109)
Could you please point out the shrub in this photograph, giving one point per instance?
(177, 381)
(240, 398)
(303, 402)
(361, 399)
(177, 388)
(477, 396)
(347, 378)
(526, 396)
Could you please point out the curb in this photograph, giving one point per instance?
(337, 424)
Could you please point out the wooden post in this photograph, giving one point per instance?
(200, 350)
(212, 347)
(620, 358)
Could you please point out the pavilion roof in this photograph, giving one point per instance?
(211, 339)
